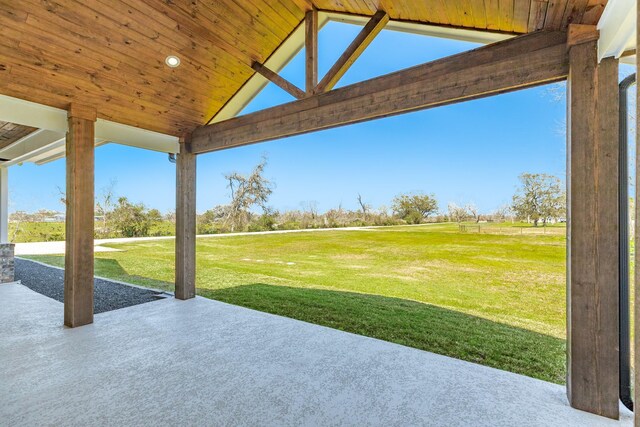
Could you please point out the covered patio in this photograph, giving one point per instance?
(174, 77)
(203, 362)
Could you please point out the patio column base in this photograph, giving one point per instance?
(7, 262)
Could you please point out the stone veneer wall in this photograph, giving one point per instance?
(7, 263)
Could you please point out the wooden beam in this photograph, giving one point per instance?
(579, 33)
(185, 286)
(311, 50)
(281, 82)
(592, 244)
(517, 63)
(78, 277)
(630, 52)
(353, 52)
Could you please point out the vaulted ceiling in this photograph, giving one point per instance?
(111, 53)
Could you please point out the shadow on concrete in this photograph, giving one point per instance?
(410, 323)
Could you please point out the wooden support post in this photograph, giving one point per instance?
(185, 223)
(311, 50)
(78, 263)
(592, 244)
(636, 280)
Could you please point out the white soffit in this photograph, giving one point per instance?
(47, 118)
(617, 28)
(295, 42)
(36, 144)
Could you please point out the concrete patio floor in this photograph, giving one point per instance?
(202, 362)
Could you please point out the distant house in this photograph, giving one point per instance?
(57, 217)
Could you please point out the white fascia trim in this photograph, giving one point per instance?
(295, 42)
(32, 114)
(41, 141)
(40, 116)
(45, 153)
(136, 137)
(617, 28)
(40, 147)
(55, 153)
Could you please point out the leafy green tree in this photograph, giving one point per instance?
(268, 221)
(129, 219)
(154, 215)
(539, 198)
(414, 208)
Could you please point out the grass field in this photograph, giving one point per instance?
(494, 296)
(26, 232)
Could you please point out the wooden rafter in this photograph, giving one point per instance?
(279, 81)
(311, 50)
(355, 49)
(513, 64)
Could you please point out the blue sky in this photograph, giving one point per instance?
(471, 152)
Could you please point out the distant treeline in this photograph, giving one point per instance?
(540, 198)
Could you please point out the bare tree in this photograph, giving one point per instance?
(472, 209)
(365, 208)
(106, 203)
(62, 196)
(246, 192)
(17, 218)
(310, 207)
(502, 213)
(456, 213)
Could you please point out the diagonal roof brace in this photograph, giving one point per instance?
(353, 52)
(279, 81)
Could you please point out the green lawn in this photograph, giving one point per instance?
(495, 297)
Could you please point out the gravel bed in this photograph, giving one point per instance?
(108, 295)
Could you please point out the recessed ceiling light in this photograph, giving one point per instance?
(172, 61)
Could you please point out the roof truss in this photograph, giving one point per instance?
(513, 64)
(298, 39)
(335, 73)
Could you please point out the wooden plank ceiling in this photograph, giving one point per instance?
(10, 133)
(110, 53)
